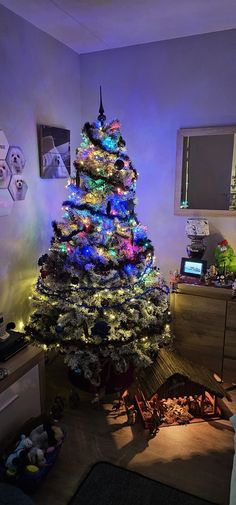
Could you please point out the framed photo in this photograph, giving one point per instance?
(192, 267)
(54, 152)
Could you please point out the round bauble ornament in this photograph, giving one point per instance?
(42, 259)
(119, 164)
(74, 280)
(101, 328)
(59, 328)
(104, 303)
(78, 370)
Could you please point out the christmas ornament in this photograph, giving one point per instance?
(101, 328)
(119, 164)
(101, 116)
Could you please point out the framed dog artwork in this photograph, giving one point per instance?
(54, 152)
(13, 185)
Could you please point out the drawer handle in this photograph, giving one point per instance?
(8, 402)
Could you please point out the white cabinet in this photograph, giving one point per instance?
(22, 391)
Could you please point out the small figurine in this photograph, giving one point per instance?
(213, 271)
(116, 406)
(222, 280)
(57, 408)
(131, 415)
(155, 422)
(95, 402)
(207, 278)
(174, 279)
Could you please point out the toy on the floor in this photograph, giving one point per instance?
(39, 437)
(27, 464)
(18, 457)
(154, 422)
(46, 435)
(36, 457)
(31, 470)
(131, 415)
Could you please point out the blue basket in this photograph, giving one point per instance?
(29, 481)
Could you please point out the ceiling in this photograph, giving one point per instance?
(94, 25)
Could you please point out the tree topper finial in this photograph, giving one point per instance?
(101, 116)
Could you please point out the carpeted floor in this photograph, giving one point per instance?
(107, 484)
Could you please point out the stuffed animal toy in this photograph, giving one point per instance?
(39, 437)
(224, 258)
(18, 458)
(57, 433)
(46, 435)
(31, 469)
(36, 457)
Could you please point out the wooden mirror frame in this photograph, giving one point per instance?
(188, 132)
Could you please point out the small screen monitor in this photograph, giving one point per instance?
(193, 267)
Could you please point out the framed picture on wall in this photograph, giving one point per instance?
(54, 152)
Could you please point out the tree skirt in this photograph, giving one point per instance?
(111, 380)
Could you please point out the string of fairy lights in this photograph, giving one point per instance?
(61, 295)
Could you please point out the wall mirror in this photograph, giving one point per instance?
(206, 171)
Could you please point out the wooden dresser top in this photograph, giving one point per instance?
(206, 291)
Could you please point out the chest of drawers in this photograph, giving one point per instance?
(204, 325)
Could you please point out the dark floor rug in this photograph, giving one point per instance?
(11, 495)
(107, 484)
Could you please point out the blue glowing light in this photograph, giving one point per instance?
(98, 123)
(87, 250)
(109, 143)
(139, 233)
(129, 269)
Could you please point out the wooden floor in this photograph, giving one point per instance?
(196, 458)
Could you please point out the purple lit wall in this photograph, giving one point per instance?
(154, 89)
(40, 83)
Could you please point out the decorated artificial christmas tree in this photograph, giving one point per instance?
(99, 298)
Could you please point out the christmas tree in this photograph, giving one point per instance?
(99, 298)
